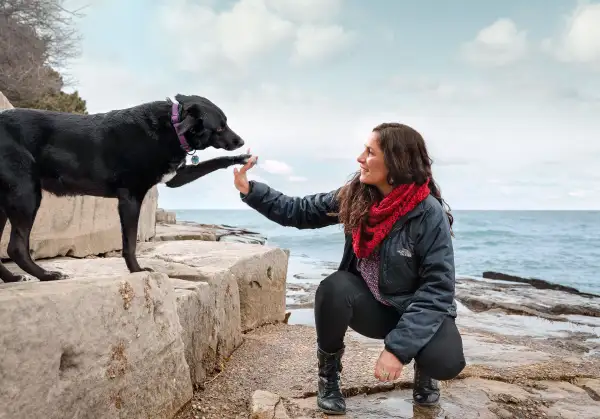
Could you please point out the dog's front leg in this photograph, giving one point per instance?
(130, 205)
(189, 173)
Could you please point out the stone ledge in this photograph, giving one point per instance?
(260, 272)
(98, 347)
(221, 290)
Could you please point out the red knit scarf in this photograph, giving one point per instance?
(382, 216)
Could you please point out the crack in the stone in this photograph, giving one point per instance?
(404, 385)
(275, 407)
(590, 392)
(367, 390)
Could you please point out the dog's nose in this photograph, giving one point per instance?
(238, 142)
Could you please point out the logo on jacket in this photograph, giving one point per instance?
(405, 252)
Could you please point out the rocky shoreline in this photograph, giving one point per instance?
(532, 347)
(189, 230)
(533, 351)
(106, 343)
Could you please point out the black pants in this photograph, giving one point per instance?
(343, 299)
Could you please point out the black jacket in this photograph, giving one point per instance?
(417, 260)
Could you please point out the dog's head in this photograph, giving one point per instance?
(204, 124)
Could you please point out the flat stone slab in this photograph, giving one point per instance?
(221, 290)
(98, 347)
(169, 232)
(259, 270)
(471, 398)
(187, 230)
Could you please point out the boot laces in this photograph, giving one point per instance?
(422, 380)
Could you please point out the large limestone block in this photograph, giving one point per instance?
(208, 305)
(210, 316)
(92, 348)
(260, 272)
(166, 217)
(82, 225)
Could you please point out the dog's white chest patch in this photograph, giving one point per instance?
(168, 177)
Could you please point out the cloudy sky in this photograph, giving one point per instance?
(506, 93)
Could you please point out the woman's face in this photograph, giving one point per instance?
(372, 165)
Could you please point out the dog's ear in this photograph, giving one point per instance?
(188, 123)
(201, 110)
(192, 113)
(189, 106)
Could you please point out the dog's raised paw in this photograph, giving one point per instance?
(243, 158)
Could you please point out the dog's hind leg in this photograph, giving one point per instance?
(21, 210)
(5, 274)
(130, 205)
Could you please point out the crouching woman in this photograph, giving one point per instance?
(396, 278)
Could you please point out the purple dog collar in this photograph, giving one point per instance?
(176, 124)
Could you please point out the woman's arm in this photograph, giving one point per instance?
(434, 299)
(311, 211)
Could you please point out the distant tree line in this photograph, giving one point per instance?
(37, 37)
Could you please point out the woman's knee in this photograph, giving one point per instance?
(443, 357)
(448, 369)
(335, 287)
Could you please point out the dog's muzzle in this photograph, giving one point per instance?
(230, 140)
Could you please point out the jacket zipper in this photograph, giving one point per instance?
(382, 251)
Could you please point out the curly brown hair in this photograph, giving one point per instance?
(406, 158)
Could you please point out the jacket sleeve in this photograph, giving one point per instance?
(311, 211)
(434, 299)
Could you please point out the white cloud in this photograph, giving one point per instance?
(443, 89)
(499, 44)
(275, 167)
(579, 41)
(210, 40)
(229, 42)
(126, 88)
(317, 42)
(307, 11)
(320, 131)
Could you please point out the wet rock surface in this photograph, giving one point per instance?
(532, 352)
(522, 298)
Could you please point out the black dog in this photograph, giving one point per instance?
(120, 154)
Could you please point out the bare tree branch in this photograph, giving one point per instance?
(36, 36)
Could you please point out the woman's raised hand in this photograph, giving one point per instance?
(240, 180)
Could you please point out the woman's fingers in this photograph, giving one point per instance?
(251, 162)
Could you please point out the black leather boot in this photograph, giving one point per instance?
(329, 397)
(426, 390)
